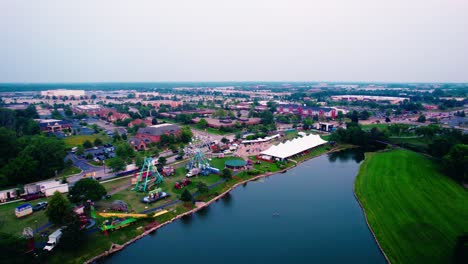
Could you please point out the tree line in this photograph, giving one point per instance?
(25, 154)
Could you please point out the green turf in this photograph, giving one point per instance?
(379, 126)
(77, 140)
(415, 211)
(10, 224)
(68, 172)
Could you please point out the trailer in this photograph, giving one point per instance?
(23, 210)
(10, 194)
(49, 191)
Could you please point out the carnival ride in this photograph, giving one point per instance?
(199, 163)
(155, 195)
(147, 177)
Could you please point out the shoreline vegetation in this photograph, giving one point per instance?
(410, 219)
(116, 247)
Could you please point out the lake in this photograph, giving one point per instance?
(306, 215)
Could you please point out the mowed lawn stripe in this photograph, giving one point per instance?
(415, 211)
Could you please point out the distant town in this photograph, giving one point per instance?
(83, 170)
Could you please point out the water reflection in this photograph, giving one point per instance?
(202, 213)
(186, 219)
(227, 200)
(346, 155)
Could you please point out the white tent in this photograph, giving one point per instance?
(258, 140)
(293, 147)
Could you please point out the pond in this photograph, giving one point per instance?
(306, 215)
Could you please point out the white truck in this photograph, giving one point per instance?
(54, 239)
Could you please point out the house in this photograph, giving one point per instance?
(153, 133)
(112, 115)
(138, 144)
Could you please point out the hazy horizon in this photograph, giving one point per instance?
(234, 41)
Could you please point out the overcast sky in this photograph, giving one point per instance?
(235, 40)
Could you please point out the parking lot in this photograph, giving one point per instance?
(100, 153)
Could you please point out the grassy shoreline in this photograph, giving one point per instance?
(414, 212)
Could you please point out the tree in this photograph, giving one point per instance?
(354, 117)
(186, 134)
(162, 161)
(224, 140)
(202, 123)
(220, 113)
(267, 117)
(87, 189)
(89, 156)
(238, 135)
(186, 196)
(154, 121)
(13, 248)
(97, 142)
(116, 137)
(73, 237)
(227, 174)
(58, 207)
(139, 160)
(80, 150)
(364, 115)
(456, 162)
(49, 154)
(124, 151)
(87, 144)
(387, 119)
(202, 188)
(340, 115)
(421, 119)
(307, 123)
(116, 164)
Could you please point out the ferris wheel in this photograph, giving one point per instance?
(195, 151)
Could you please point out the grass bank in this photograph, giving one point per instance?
(415, 212)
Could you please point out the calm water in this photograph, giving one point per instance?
(307, 215)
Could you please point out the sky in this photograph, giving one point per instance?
(235, 40)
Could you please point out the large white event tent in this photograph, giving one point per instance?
(293, 147)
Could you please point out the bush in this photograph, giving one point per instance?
(186, 196)
(87, 144)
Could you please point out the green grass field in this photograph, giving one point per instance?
(379, 126)
(10, 224)
(68, 172)
(77, 140)
(415, 211)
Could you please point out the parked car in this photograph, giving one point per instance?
(40, 206)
